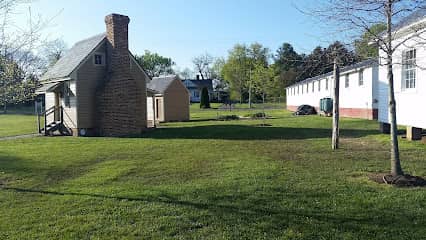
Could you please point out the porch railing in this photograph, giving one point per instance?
(52, 110)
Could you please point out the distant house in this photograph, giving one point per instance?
(195, 86)
(97, 88)
(169, 98)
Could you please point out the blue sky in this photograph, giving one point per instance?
(182, 29)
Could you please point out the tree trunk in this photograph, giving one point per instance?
(263, 108)
(249, 96)
(396, 168)
(335, 136)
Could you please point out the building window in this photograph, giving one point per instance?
(361, 77)
(99, 59)
(297, 89)
(307, 88)
(196, 94)
(346, 80)
(319, 85)
(313, 86)
(326, 84)
(409, 68)
(67, 93)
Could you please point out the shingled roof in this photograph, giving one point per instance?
(160, 84)
(363, 64)
(72, 59)
(414, 17)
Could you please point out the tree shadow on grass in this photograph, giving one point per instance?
(247, 132)
(251, 209)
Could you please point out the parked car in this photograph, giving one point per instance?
(305, 110)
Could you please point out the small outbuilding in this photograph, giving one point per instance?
(169, 99)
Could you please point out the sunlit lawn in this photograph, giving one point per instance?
(16, 124)
(211, 180)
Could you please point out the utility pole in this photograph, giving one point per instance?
(335, 137)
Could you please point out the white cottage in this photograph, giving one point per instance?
(358, 91)
(409, 77)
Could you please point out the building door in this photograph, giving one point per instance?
(57, 100)
(159, 109)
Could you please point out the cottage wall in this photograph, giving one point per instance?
(89, 77)
(176, 102)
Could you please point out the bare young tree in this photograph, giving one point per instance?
(357, 16)
(203, 65)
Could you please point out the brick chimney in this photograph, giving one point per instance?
(117, 32)
(122, 97)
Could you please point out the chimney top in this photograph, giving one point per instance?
(114, 17)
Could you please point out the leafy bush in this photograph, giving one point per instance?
(228, 117)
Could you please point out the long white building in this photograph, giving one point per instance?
(358, 90)
(409, 70)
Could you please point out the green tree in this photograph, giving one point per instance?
(365, 47)
(205, 100)
(321, 60)
(235, 71)
(239, 66)
(263, 80)
(155, 64)
(286, 66)
(15, 87)
(287, 58)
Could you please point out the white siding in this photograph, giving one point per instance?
(70, 113)
(408, 101)
(355, 96)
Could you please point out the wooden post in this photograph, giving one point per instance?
(62, 114)
(335, 137)
(45, 123)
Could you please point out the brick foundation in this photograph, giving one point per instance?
(371, 114)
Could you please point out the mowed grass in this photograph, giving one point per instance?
(16, 124)
(208, 179)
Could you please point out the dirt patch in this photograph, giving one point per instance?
(398, 181)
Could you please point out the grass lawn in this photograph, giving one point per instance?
(211, 180)
(16, 124)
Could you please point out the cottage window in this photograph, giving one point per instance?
(409, 69)
(326, 84)
(99, 59)
(346, 80)
(307, 88)
(313, 86)
(361, 77)
(319, 85)
(297, 89)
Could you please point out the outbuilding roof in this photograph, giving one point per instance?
(72, 59)
(160, 84)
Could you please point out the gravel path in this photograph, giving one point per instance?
(19, 136)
